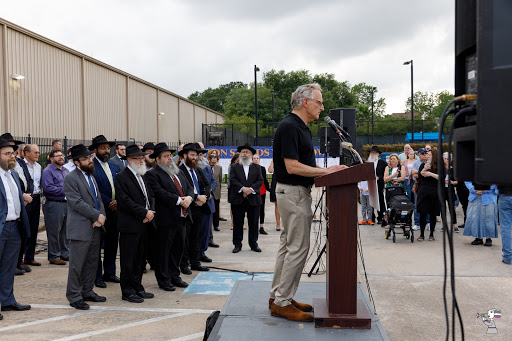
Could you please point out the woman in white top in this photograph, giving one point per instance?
(409, 179)
(394, 173)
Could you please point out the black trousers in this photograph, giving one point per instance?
(216, 215)
(380, 188)
(33, 212)
(110, 241)
(193, 239)
(133, 261)
(151, 248)
(463, 194)
(239, 212)
(262, 209)
(171, 243)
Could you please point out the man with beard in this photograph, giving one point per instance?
(173, 196)
(380, 166)
(149, 148)
(135, 213)
(55, 208)
(201, 188)
(105, 173)
(209, 208)
(245, 180)
(86, 216)
(120, 152)
(13, 218)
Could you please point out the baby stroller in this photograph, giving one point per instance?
(399, 213)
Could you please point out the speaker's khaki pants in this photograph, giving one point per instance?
(294, 204)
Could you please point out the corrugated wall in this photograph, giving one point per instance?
(3, 95)
(168, 127)
(142, 111)
(200, 118)
(186, 121)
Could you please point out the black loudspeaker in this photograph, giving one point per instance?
(346, 118)
(333, 142)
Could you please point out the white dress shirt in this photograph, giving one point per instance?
(35, 174)
(11, 211)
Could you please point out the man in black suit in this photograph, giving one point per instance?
(135, 213)
(380, 166)
(245, 180)
(120, 152)
(201, 189)
(173, 196)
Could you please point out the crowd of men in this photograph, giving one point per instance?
(154, 207)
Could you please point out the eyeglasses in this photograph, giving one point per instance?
(9, 154)
(317, 101)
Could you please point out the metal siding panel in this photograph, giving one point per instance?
(105, 102)
(186, 121)
(3, 80)
(142, 111)
(211, 117)
(219, 118)
(167, 124)
(48, 101)
(200, 118)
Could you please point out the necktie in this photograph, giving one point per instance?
(14, 192)
(93, 190)
(106, 168)
(22, 177)
(177, 183)
(196, 184)
(141, 183)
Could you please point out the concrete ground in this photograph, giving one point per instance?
(406, 280)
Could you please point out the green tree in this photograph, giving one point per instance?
(428, 104)
(215, 98)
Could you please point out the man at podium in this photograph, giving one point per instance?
(295, 169)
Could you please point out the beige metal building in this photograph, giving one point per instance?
(50, 90)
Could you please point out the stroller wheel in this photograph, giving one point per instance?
(386, 234)
(406, 233)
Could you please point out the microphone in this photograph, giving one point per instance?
(339, 130)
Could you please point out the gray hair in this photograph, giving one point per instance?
(303, 92)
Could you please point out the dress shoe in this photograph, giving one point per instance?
(213, 244)
(179, 283)
(113, 279)
(58, 261)
(262, 231)
(80, 305)
(477, 241)
(223, 219)
(290, 312)
(461, 226)
(95, 298)
(64, 258)
(301, 306)
(205, 259)
(100, 283)
(16, 307)
(216, 228)
(1, 317)
(186, 271)
(133, 298)
(19, 272)
(25, 267)
(488, 242)
(199, 268)
(168, 287)
(237, 249)
(31, 262)
(144, 294)
(256, 249)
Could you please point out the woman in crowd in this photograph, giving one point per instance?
(273, 198)
(451, 207)
(427, 197)
(263, 192)
(394, 173)
(409, 179)
(234, 160)
(482, 214)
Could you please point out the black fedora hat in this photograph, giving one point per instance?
(10, 138)
(133, 150)
(190, 146)
(5, 143)
(160, 148)
(100, 139)
(246, 146)
(375, 149)
(79, 151)
(149, 145)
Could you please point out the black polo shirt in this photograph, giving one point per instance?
(293, 140)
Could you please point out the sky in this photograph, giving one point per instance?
(190, 45)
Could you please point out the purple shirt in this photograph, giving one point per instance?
(52, 181)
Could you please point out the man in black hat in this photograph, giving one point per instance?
(380, 166)
(135, 213)
(13, 218)
(245, 180)
(86, 216)
(149, 148)
(105, 173)
(201, 189)
(173, 196)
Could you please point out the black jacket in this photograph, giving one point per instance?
(204, 186)
(237, 181)
(166, 196)
(131, 204)
(379, 171)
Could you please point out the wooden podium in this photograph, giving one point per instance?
(342, 308)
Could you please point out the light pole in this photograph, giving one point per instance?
(256, 69)
(272, 115)
(412, 100)
(373, 90)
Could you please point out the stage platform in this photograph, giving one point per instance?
(245, 316)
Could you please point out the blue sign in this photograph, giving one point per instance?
(263, 152)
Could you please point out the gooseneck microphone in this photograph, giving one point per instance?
(339, 130)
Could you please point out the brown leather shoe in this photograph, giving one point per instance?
(58, 261)
(301, 306)
(290, 313)
(31, 262)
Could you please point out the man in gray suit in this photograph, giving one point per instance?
(120, 152)
(86, 215)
